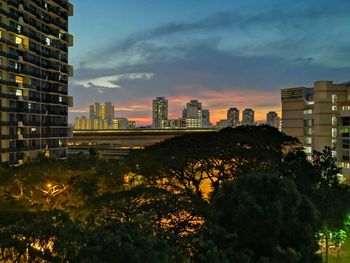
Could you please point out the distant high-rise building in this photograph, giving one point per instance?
(109, 112)
(272, 119)
(96, 111)
(248, 117)
(195, 116)
(120, 123)
(34, 79)
(206, 119)
(159, 112)
(192, 110)
(233, 117)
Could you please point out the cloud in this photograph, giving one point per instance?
(289, 28)
(229, 59)
(110, 82)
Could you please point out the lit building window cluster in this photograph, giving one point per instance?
(34, 72)
(101, 117)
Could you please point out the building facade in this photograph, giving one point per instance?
(319, 116)
(159, 112)
(233, 117)
(34, 71)
(272, 119)
(248, 117)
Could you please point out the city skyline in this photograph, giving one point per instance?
(232, 54)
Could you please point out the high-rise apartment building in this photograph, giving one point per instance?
(34, 73)
(272, 119)
(319, 116)
(159, 112)
(233, 117)
(96, 111)
(195, 116)
(248, 117)
(109, 112)
(206, 119)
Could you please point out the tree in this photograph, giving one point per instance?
(267, 215)
(199, 163)
(331, 198)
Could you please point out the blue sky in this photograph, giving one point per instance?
(224, 53)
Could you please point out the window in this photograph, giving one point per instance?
(308, 149)
(334, 121)
(19, 79)
(334, 143)
(334, 132)
(308, 140)
(334, 108)
(334, 98)
(306, 112)
(19, 29)
(48, 41)
(19, 92)
(19, 41)
(60, 99)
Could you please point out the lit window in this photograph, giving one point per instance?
(18, 40)
(306, 112)
(334, 132)
(19, 92)
(48, 41)
(334, 153)
(308, 149)
(334, 121)
(334, 108)
(19, 79)
(29, 106)
(308, 140)
(334, 98)
(60, 99)
(19, 28)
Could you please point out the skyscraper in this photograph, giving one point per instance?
(109, 112)
(206, 119)
(96, 111)
(233, 117)
(248, 117)
(272, 119)
(34, 79)
(159, 112)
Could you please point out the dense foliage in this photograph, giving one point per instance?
(238, 195)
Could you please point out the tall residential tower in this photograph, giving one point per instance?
(233, 117)
(34, 73)
(248, 117)
(159, 112)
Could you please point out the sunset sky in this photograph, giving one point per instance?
(223, 53)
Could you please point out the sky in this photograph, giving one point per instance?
(225, 53)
